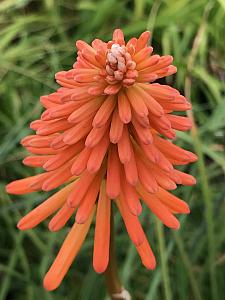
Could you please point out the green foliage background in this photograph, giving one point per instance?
(37, 40)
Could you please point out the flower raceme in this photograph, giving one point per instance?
(104, 135)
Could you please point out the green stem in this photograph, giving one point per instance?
(139, 6)
(163, 257)
(207, 198)
(187, 264)
(205, 187)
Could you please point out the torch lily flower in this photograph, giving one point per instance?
(105, 136)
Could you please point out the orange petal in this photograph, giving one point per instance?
(89, 200)
(45, 209)
(163, 126)
(131, 197)
(61, 217)
(36, 124)
(38, 141)
(146, 254)
(143, 40)
(147, 63)
(116, 128)
(40, 180)
(62, 110)
(143, 121)
(67, 254)
(151, 152)
(143, 54)
(118, 36)
(164, 163)
(113, 173)
(102, 232)
(40, 151)
(173, 202)
(112, 89)
(85, 110)
(58, 177)
(144, 134)
(161, 67)
(60, 159)
(80, 162)
(58, 143)
(97, 89)
(146, 176)
(80, 188)
(186, 179)
(124, 108)
(159, 209)
(131, 222)
(22, 186)
(36, 161)
(179, 123)
(137, 102)
(152, 105)
(130, 169)
(50, 127)
(104, 112)
(163, 179)
(95, 135)
(131, 45)
(77, 132)
(173, 151)
(124, 147)
(176, 106)
(97, 155)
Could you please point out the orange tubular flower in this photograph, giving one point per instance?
(101, 135)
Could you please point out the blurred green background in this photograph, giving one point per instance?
(37, 40)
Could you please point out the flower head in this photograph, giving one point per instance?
(102, 136)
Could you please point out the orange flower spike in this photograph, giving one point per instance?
(108, 123)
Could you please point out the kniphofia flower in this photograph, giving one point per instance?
(104, 136)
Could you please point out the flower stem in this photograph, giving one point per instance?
(164, 265)
(114, 287)
(203, 172)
